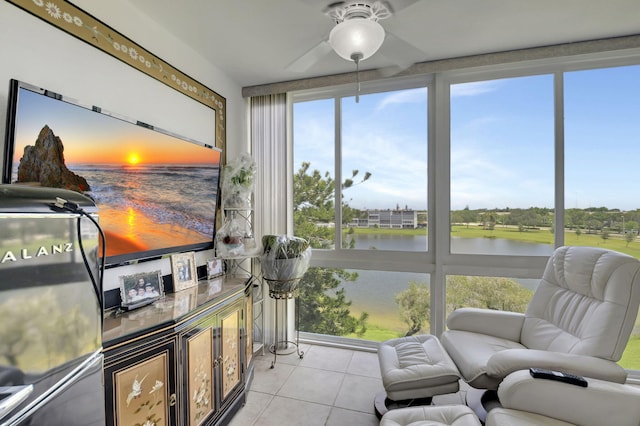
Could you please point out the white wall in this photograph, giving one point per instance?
(34, 51)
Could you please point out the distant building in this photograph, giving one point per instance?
(397, 219)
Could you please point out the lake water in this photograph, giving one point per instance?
(374, 291)
(458, 245)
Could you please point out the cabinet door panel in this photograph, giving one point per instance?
(200, 371)
(230, 326)
(141, 392)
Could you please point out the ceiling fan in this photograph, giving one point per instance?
(358, 35)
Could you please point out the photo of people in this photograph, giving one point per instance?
(183, 268)
(140, 288)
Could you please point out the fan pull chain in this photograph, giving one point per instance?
(356, 58)
(358, 81)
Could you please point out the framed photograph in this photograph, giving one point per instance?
(140, 289)
(183, 269)
(214, 267)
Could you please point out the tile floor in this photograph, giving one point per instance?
(328, 386)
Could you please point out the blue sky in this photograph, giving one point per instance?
(502, 135)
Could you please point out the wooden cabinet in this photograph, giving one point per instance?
(167, 367)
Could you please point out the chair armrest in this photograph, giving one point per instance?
(600, 403)
(505, 362)
(503, 324)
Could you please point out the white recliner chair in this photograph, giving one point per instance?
(579, 321)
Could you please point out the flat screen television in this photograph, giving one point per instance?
(156, 192)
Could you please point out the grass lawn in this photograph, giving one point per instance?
(377, 333)
(631, 356)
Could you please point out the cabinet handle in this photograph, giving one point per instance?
(217, 361)
(172, 400)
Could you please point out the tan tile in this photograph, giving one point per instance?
(326, 358)
(251, 410)
(292, 412)
(365, 364)
(267, 379)
(291, 357)
(358, 393)
(313, 385)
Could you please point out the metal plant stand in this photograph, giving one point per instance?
(284, 290)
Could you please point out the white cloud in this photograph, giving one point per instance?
(473, 89)
(474, 165)
(403, 97)
(398, 169)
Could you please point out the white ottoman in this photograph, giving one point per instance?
(416, 367)
(446, 415)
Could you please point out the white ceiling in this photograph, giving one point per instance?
(254, 41)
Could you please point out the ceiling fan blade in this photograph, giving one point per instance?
(396, 6)
(325, 6)
(399, 53)
(310, 58)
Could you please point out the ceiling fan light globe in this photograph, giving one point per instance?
(356, 37)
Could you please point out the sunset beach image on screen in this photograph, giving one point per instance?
(154, 191)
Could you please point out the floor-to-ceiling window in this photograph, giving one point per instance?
(529, 159)
(602, 177)
(501, 184)
(360, 193)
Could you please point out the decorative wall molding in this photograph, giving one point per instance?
(73, 20)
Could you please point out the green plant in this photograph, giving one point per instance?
(281, 247)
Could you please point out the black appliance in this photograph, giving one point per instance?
(50, 308)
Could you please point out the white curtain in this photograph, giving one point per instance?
(271, 212)
(269, 147)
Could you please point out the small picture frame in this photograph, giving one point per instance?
(140, 289)
(214, 267)
(183, 269)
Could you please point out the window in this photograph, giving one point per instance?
(499, 293)
(494, 169)
(369, 159)
(313, 194)
(602, 149)
(383, 153)
(502, 170)
(364, 304)
(384, 170)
